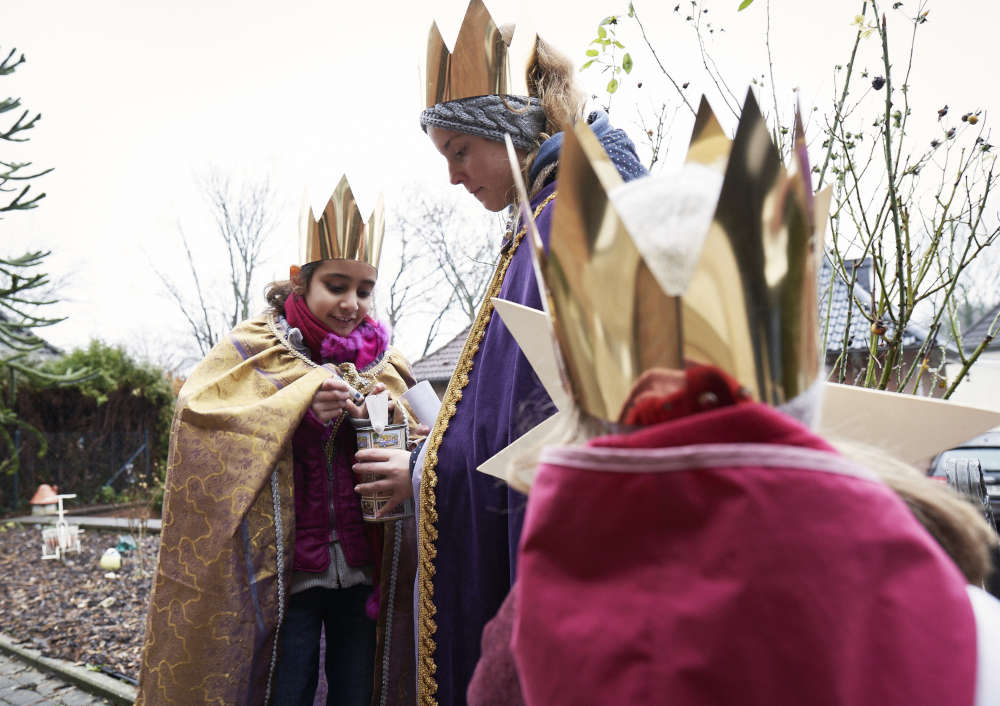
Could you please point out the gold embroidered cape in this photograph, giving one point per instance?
(228, 527)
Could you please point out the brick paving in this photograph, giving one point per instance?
(23, 685)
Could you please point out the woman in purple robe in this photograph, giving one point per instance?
(470, 523)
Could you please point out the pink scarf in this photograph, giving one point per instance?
(364, 345)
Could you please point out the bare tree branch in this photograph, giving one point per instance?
(922, 218)
(447, 254)
(245, 215)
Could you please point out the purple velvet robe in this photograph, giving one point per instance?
(480, 517)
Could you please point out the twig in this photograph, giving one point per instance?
(649, 44)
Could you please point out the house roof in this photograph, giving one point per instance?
(835, 310)
(46, 352)
(975, 335)
(438, 366)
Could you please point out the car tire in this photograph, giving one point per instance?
(966, 476)
(993, 580)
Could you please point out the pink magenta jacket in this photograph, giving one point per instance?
(313, 524)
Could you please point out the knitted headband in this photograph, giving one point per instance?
(491, 117)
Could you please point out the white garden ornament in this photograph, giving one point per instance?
(63, 538)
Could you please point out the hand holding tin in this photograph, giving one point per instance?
(391, 469)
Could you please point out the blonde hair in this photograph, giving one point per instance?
(550, 80)
(948, 517)
(549, 77)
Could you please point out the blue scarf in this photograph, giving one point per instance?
(616, 143)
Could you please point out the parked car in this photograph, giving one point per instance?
(973, 469)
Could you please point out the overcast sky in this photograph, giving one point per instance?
(139, 98)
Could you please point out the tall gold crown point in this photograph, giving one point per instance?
(709, 145)
(759, 266)
(605, 333)
(341, 232)
(435, 34)
(480, 63)
(706, 123)
(477, 23)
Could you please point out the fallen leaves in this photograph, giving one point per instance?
(72, 610)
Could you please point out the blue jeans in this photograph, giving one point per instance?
(350, 648)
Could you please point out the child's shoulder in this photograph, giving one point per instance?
(396, 358)
(395, 365)
(391, 368)
(231, 350)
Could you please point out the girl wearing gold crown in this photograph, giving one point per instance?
(469, 524)
(263, 542)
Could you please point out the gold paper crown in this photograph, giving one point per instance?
(750, 308)
(611, 318)
(487, 60)
(341, 233)
(751, 305)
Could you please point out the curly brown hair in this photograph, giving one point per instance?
(277, 292)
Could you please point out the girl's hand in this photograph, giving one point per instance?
(363, 409)
(392, 469)
(420, 430)
(331, 399)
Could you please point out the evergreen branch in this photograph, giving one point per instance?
(20, 126)
(9, 104)
(18, 205)
(13, 167)
(27, 320)
(68, 378)
(29, 259)
(6, 67)
(22, 344)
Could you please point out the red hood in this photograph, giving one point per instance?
(732, 557)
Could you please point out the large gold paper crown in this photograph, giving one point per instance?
(340, 232)
(487, 60)
(750, 307)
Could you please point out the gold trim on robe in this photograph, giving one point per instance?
(427, 527)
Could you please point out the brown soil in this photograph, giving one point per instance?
(56, 606)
